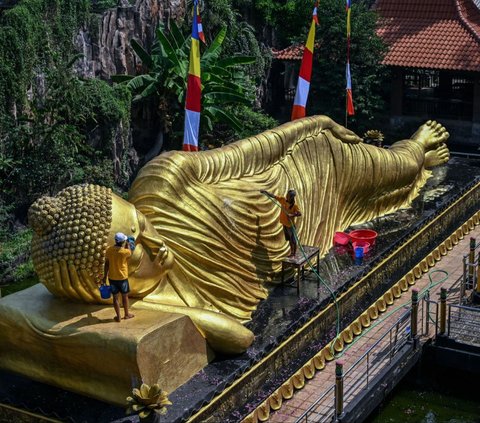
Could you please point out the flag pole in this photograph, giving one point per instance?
(349, 108)
(194, 89)
(346, 111)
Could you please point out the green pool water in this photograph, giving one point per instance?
(414, 404)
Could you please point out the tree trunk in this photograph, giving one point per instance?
(156, 148)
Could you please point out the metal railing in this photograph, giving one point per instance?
(322, 410)
(463, 324)
(471, 272)
(428, 316)
(362, 373)
(466, 155)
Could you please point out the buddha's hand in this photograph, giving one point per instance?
(340, 132)
(73, 283)
(149, 263)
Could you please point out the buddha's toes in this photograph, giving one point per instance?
(437, 157)
(431, 135)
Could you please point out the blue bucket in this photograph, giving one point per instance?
(359, 252)
(105, 291)
(359, 255)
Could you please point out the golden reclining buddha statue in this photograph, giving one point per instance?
(206, 239)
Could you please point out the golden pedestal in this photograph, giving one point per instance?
(80, 348)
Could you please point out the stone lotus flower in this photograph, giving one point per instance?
(373, 136)
(147, 399)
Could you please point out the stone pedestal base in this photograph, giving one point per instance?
(81, 348)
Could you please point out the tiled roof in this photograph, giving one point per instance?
(293, 52)
(435, 34)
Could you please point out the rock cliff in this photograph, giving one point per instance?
(105, 42)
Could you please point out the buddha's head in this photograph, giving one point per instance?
(72, 232)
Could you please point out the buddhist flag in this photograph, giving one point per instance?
(194, 90)
(201, 35)
(350, 109)
(315, 15)
(303, 85)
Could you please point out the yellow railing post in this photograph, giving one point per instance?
(443, 311)
(414, 317)
(471, 265)
(339, 387)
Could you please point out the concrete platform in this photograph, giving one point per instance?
(79, 347)
(290, 329)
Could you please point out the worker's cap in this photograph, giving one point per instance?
(291, 192)
(120, 237)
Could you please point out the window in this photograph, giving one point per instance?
(437, 94)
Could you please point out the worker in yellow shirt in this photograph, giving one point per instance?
(289, 210)
(116, 269)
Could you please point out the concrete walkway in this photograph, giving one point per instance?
(303, 399)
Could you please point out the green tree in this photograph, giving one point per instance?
(64, 137)
(243, 38)
(327, 89)
(285, 18)
(289, 21)
(224, 83)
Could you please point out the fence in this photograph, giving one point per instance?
(470, 282)
(463, 324)
(362, 373)
(426, 318)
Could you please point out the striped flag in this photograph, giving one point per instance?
(201, 35)
(350, 110)
(194, 90)
(315, 13)
(303, 85)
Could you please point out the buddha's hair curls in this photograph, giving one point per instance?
(72, 226)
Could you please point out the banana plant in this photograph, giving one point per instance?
(224, 82)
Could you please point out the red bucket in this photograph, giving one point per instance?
(365, 235)
(341, 238)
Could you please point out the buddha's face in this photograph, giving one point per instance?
(151, 259)
(73, 231)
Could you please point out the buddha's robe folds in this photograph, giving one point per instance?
(226, 237)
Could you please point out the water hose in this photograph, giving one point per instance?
(312, 268)
(426, 290)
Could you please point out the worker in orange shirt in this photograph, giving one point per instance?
(116, 269)
(289, 210)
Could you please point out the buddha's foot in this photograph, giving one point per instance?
(431, 135)
(437, 157)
